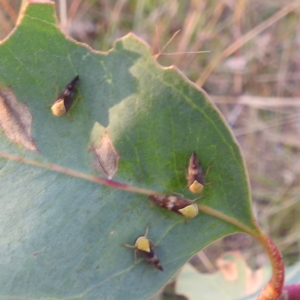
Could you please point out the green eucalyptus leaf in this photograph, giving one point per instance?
(60, 234)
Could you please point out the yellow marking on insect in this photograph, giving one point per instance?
(143, 244)
(58, 108)
(189, 211)
(196, 187)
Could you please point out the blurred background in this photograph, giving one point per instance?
(245, 54)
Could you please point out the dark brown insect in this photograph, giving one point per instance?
(195, 175)
(179, 205)
(65, 99)
(145, 248)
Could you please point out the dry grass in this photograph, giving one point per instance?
(252, 73)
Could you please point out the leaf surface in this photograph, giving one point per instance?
(61, 235)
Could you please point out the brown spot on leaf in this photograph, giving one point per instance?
(233, 264)
(15, 119)
(107, 156)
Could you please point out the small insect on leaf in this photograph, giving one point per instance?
(179, 205)
(65, 99)
(107, 156)
(195, 175)
(145, 248)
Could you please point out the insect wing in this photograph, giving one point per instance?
(151, 257)
(176, 204)
(195, 175)
(69, 92)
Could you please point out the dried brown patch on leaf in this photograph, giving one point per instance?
(231, 264)
(107, 156)
(15, 119)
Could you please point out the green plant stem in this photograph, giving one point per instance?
(274, 287)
